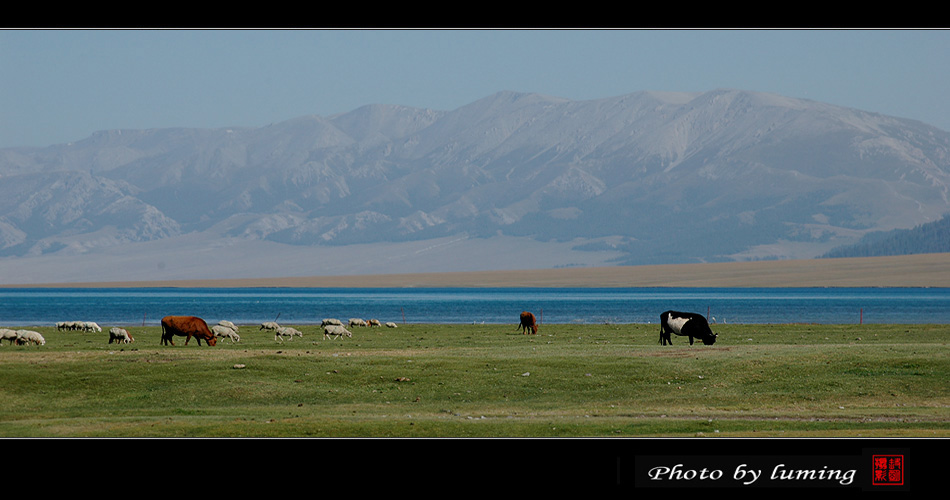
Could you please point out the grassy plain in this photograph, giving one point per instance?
(434, 380)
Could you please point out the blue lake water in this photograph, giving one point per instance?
(131, 307)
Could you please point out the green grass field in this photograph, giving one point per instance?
(485, 381)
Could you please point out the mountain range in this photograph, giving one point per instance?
(510, 181)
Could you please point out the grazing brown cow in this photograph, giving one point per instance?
(527, 321)
(186, 326)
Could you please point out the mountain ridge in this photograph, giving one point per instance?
(649, 177)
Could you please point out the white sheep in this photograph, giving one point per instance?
(91, 326)
(286, 331)
(331, 321)
(118, 335)
(336, 330)
(374, 322)
(228, 324)
(357, 322)
(269, 325)
(29, 337)
(7, 334)
(391, 324)
(222, 331)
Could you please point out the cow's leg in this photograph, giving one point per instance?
(665, 336)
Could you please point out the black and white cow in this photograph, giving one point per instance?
(685, 324)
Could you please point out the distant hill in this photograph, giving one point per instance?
(510, 181)
(933, 237)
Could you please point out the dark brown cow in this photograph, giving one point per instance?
(186, 326)
(527, 322)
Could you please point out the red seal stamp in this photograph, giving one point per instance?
(887, 470)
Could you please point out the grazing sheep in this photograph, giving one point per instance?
(91, 326)
(269, 325)
(357, 322)
(331, 321)
(120, 335)
(286, 331)
(391, 324)
(220, 330)
(336, 330)
(71, 325)
(374, 322)
(7, 334)
(29, 337)
(228, 324)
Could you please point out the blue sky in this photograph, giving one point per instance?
(62, 85)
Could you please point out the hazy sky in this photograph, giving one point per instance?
(60, 86)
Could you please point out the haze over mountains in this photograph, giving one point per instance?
(511, 181)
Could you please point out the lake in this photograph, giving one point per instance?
(135, 306)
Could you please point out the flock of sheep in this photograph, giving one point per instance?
(331, 328)
(224, 329)
(85, 326)
(21, 337)
(116, 334)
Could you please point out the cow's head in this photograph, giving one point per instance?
(710, 339)
(212, 340)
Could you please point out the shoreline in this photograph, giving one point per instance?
(905, 271)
